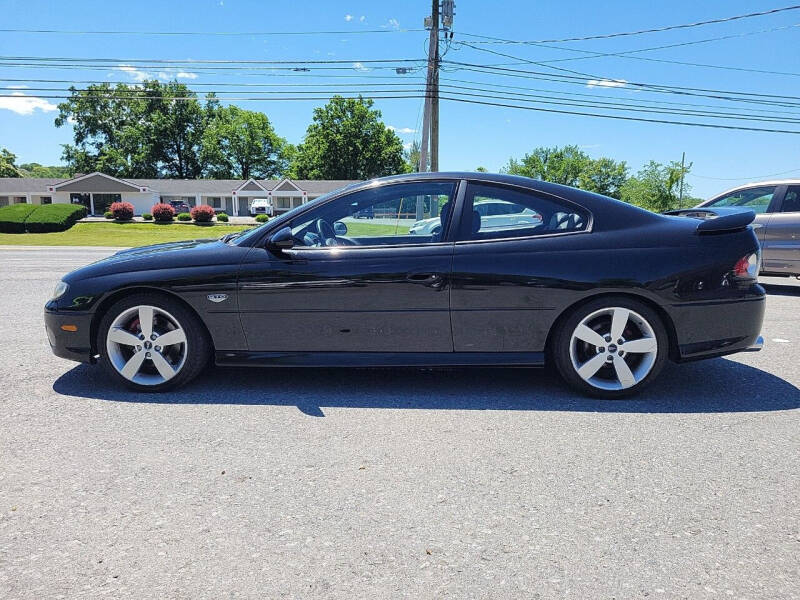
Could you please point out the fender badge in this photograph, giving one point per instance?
(217, 297)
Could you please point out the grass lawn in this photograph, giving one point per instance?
(119, 234)
(366, 229)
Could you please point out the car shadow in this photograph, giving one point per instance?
(774, 289)
(717, 385)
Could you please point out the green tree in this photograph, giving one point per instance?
(239, 144)
(148, 130)
(412, 155)
(656, 186)
(37, 170)
(557, 165)
(7, 166)
(481, 169)
(603, 176)
(347, 140)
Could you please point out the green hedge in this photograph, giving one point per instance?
(12, 218)
(20, 218)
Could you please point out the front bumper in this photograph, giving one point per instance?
(72, 345)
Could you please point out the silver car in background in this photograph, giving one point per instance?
(777, 222)
(493, 213)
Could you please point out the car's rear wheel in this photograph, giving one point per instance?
(152, 343)
(611, 347)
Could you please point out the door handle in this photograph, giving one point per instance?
(434, 280)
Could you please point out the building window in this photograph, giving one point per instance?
(47, 200)
(215, 202)
(3, 200)
(283, 202)
(19, 199)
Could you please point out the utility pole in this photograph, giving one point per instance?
(683, 171)
(431, 23)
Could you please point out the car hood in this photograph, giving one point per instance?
(194, 253)
(425, 222)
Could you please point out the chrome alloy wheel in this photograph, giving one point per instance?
(613, 348)
(146, 345)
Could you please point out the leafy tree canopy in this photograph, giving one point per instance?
(656, 186)
(347, 140)
(239, 144)
(7, 166)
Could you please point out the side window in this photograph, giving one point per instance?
(408, 213)
(756, 198)
(791, 201)
(516, 213)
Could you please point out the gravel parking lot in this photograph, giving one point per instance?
(461, 483)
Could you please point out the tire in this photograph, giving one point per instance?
(143, 364)
(612, 370)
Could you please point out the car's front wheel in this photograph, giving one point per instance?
(611, 347)
(152, 343)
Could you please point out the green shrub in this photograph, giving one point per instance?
(147, 216)
(12, 217)
(54, 217)
(184, 217)
(262, 218)
(222, 217)
(108, 214)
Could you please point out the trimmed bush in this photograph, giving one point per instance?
(163, 213)
(12, 217)
(108, 214)
(20, 218)
(184, 217)
(203, 213)
(222, 217)
(123, 211)
(147, 216)
(262, 218)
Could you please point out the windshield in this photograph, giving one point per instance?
(245, 238)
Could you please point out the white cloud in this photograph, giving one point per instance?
(401, 129)
(362, 18)
(137, 74)
(166, 75)
(606, 83)
(21, 104)
(407, 145)
(359, 67)
(394, 23)
(348, 18)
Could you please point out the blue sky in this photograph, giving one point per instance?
(471, 135)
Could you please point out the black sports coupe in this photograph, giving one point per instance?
(604, 291)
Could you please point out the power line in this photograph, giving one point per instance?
(211, 33)
(204, 61)
(629, 54)
(652, 30)
(622, 117)
(743, 178)
(660, 88)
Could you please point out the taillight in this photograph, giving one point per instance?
(748, 266)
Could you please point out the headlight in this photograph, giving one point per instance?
(61, 289)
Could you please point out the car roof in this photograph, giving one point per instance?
(753, 184)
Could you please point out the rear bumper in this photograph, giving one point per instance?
(717, 328)
(72, 345)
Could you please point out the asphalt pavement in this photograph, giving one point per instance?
(392, 483)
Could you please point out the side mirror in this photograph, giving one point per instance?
(340, 228)
(281, 239)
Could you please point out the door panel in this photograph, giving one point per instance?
(781, 243)
(341, 299)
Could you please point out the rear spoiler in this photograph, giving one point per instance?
(717, 220)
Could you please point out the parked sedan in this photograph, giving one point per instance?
(494, 213)
(777, 208)
(604, 291)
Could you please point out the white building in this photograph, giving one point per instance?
(97, 191)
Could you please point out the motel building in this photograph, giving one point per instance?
(96, 191)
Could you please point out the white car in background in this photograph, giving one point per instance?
(261, 206)
(495, 214)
